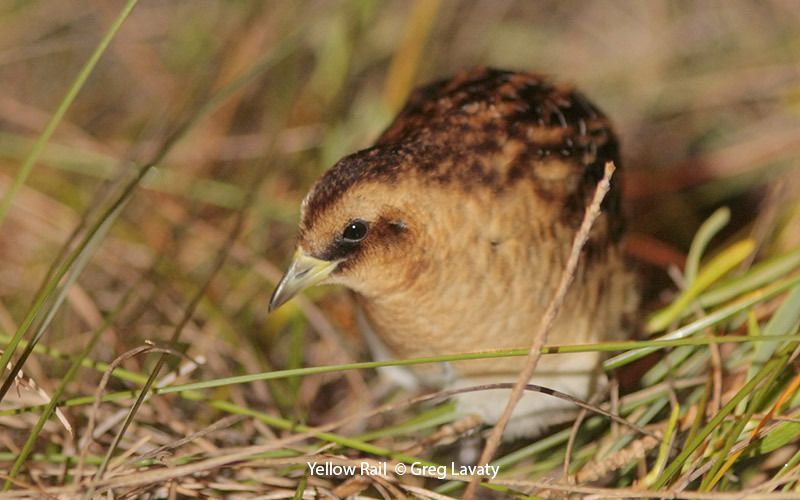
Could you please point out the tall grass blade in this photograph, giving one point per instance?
(80, 253)
(718, 267)
(767, 271)
(63, 106)
(784, 321)
(705, 233)
(689, 448)
(77, 362)
(715, 317)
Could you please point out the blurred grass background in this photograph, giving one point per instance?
(251, 100)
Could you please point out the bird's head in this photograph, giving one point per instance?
(359, 228)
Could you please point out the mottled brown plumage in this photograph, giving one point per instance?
(468, 204)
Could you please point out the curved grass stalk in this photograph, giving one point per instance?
(189, 390)
(746, 391)
(80, 254)
(713, 225)
(718, 267)
(715, 317)
(284, 49)
(99, 366)
(22, 456)
(762, 273)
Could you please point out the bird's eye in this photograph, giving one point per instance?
(355, 231)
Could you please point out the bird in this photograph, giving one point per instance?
(452, 231)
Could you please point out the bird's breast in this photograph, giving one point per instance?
(488, 269)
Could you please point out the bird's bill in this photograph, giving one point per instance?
(305, 271)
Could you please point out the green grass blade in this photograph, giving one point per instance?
(673, 360)
(162, 358)
(780, 436)
(764, 272)
(288, 425)
(73, 271)
(65, 380)
(216, 267)
(649, 414)
(689, 448)
(269, 60)
(718, 267)
(700, 413)
(709, 320)
(438, 415)
(99, 366)
(782, 322)
(707, 231)
(724, 458)
(316, 370)
(665, 447)
(788, 466)
(63, 106)
(88, 242)
(301, 487)
(539, 446)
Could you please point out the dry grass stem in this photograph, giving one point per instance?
(550, 314)
(235, 108)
